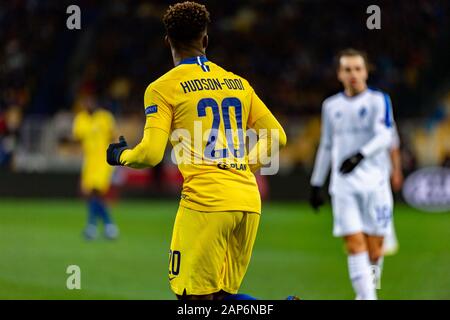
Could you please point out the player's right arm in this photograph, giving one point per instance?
(322, 163)
(323, 157)
(150, 151)
(271, 135)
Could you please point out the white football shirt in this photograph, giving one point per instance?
(362, 123)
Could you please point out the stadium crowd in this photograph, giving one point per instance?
(284, 48)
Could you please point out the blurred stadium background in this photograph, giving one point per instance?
(285, 49)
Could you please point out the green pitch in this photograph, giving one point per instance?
(294, 253)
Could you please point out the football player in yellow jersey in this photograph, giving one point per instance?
(94, 128)
(206, 111)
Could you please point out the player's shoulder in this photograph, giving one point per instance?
(332, 100)
(81, 115)
(379, 97)
(377, 93)
(171, 75)
(104, 113)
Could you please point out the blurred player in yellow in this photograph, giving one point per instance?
(94, 128)
(206, 110)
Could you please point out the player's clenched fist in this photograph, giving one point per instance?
(349, 164)
(115, 150)
(315, 198)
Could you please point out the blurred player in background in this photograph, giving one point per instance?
(218, 216)
(355, 139)
(94, 128)
(390, 244)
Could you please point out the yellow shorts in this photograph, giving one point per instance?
(210, 251)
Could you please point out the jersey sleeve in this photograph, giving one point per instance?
(271, 138)
(158, 112)
(257, 109)
(323, 157)
(395, 143)
(149, 152)
(382, 127)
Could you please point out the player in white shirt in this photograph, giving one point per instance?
(356, 135)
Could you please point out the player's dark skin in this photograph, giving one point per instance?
(90, 104)
(183, 50)
(180, 51)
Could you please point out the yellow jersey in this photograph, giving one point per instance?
(206, 110)
(95, 131)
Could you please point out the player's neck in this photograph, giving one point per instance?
(352, 92)
(179, 56)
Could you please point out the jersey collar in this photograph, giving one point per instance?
(362, 93)
(194, 60)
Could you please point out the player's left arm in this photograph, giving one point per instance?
(271, 135)
(396, 161)
(382, 126)
(150, 151)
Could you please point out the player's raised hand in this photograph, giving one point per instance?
(315, 198)
(115, 150)
(350, 163)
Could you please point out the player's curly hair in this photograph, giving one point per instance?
(185, 21)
